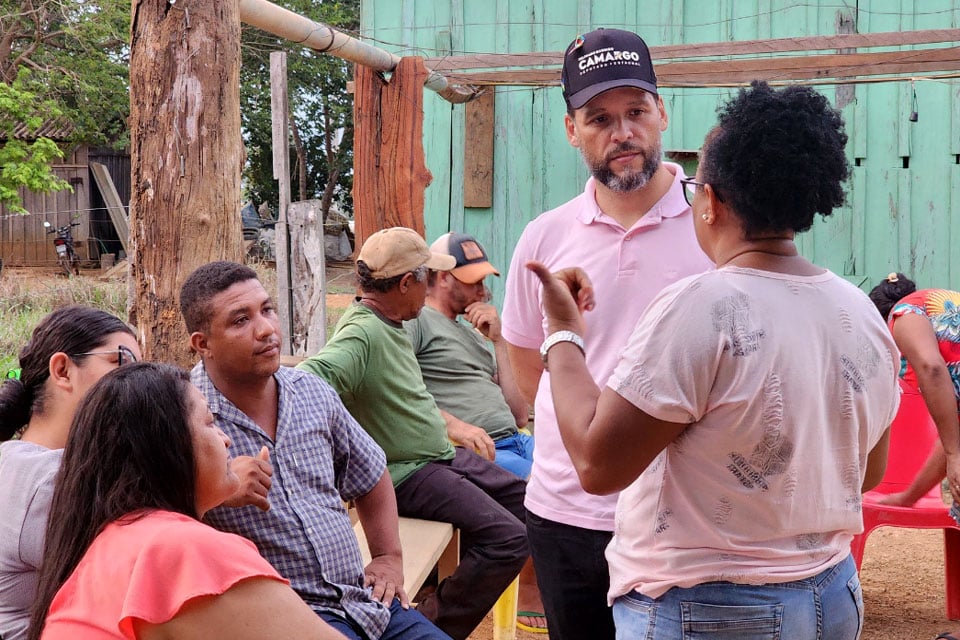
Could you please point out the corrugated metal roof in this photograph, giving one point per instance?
(55, 129)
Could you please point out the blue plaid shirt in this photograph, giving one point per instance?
(321, 457)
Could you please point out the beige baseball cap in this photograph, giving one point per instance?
(398, 250)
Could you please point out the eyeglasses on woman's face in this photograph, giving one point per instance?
(122, 353)
(690, 188)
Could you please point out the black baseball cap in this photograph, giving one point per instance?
(472, 263)
(605, 59)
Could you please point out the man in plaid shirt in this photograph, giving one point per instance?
(299, 455)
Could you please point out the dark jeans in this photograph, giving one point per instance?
(405, 624)
(573, 577)
(485, 502)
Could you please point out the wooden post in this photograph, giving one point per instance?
(279, 115)
(308, 278)
(186, 156)
(390, 174)
(478, 151)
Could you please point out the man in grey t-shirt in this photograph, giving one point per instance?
(473, 387)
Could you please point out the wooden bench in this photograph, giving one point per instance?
(425, 544)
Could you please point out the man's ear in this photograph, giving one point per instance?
(405, 281)
(198, 342)
(571, 128)
(664, 118)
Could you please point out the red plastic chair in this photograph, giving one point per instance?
(912, 436)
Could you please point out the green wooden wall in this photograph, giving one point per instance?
(904, 194)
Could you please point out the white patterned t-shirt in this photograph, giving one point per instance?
(786, 383)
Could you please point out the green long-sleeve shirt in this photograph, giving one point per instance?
(370, 363)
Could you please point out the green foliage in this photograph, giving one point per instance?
(26, 163)
(64, 63)
(77, 57)
(319, 104)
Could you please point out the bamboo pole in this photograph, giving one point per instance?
(325, 39)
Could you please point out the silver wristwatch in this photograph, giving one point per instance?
(559, 336)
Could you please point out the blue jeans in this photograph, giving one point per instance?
(515, 454)
(828, 606)
(405, 624)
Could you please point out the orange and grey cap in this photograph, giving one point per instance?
(472, 263)
(398, 250)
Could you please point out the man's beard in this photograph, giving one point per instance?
(631, 180)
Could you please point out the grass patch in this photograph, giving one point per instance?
(27, 300)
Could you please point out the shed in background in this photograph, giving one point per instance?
(23, 238)
(904, 192)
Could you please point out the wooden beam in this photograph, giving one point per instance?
(478, 151)
(701, 50)
(736, 72)
(390, 174)
(280, 125)
(114, 205)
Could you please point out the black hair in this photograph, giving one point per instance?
(890, 291)
(777, 158)
(130, 449)
(72, 330)
(203, 284)
(369, 284)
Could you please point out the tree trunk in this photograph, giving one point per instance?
(301, 156)
(186, 157)
(390, 175)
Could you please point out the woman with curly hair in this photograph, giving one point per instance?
(69, 350)
(126, 555)
(750, 407)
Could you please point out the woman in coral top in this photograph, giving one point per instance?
(126, 555)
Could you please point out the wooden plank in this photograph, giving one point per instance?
(736, 72)
(114, 205)
(478, 151)
(279, 115)
(425, 544)
(390, 175)
(308, 280)
(700, 50)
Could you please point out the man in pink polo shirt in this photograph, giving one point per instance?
(631, 231)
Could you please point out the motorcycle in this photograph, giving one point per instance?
(67, 257)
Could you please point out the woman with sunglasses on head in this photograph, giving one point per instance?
(750, 406)
(126, 554)
(70, 349)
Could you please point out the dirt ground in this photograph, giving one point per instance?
(902, 572)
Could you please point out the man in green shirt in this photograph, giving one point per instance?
(369, 361)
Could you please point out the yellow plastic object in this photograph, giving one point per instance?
(505, 613)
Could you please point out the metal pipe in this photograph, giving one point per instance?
(325, 39)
